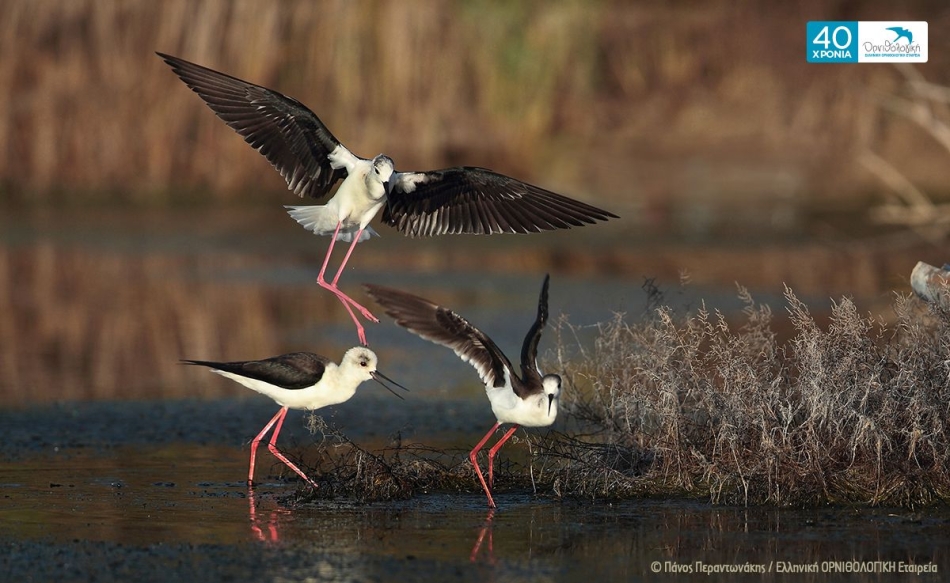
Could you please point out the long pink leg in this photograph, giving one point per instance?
(494, 450)
(326, 260)
(273, 448)
(472, 458)
(360, 331)
(366, 313)
(332, 287)
(257, 440)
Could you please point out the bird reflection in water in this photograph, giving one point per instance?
(485, 531)
(272, 534)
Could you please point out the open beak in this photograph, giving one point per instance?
(380, 377)
(550, 402)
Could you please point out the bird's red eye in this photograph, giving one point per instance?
(363, 363)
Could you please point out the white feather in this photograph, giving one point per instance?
(322, 220)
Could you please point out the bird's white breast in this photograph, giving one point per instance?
(359, 197)
(333, 388)
(530, 412)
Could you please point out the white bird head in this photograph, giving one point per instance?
(361, 362)
(551, 384)
(383, 167)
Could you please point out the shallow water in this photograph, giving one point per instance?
(165, 500)
(144, 490)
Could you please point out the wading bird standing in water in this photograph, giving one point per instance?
(459, 200)
(300, 380)
(530, 400)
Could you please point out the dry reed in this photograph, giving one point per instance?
(693, 405)
(88, 113)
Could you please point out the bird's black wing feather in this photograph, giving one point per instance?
(289, 135)
(468, 200)
(443, 326)
(529, 350)
(296, 370)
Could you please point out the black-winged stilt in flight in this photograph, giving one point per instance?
(460, 200)
(300, 380)
(530, 400)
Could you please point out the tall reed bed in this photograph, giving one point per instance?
(88, 113)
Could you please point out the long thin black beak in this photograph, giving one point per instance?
(550, 402)
(380, 377)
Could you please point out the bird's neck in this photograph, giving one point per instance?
(347, 380)
(374, 187)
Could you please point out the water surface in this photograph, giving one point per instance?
(131, 477)
(166, 500)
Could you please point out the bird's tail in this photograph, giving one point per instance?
(320, 221)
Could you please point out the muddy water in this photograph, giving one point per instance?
(160, 496)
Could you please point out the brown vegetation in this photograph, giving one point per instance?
(87, 112)
(668, 403)
(690, 404)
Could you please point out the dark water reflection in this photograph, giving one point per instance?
(163, 506)
(101, 305)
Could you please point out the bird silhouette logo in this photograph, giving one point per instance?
(902, 33)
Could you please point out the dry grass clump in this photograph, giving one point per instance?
(692, 404)
(345, 469)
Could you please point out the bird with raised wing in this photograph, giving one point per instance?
(529, 400)
(458, 200)
(300, 380)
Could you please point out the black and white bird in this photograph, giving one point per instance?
(460, 200)
(300, 380)
(530, 399)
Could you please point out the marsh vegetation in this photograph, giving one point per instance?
(693, 404)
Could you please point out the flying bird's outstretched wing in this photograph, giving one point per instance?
(289, 135)
(468, 200)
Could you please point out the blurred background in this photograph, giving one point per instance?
(137, 229)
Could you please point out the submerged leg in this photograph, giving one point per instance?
(494, 450)
(472, 458)
(273, 448)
